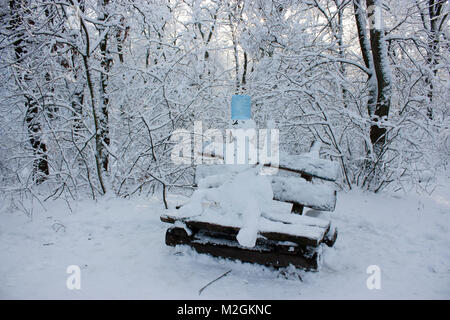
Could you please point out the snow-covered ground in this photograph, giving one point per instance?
(119, 246)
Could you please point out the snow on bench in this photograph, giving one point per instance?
(311, 234)
(294, 190)
(307, 164)
(218, 170)
(231, 213)
(298, 191)
(297, 219)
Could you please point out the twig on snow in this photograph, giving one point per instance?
(211, 282)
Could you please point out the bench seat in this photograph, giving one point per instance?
(266, 252)
(300, 233)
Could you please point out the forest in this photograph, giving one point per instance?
(92, 91)
(93, 94)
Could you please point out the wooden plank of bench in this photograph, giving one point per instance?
(300, 192)
(301, 234)
(297, 219)
(280, 217)
(271, 254)
(311, 166)
(287, 189)
(305, 165)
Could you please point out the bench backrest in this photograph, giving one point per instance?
(297, 189)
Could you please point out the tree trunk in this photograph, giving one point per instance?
(434, 10)
(90, 85)
(244, 72)
(382, 71)
(77, 96)
(105, 63)
(40, 162)
(236, 55)
(340, 40)
(366, 53)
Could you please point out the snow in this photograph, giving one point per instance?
(244, 124)
(296, 219)
(292, 189)
(264, 225)
(119, 245)
(237, 199)
(308, 163)
(225, 170)
(310, 232)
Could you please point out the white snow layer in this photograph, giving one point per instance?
(119, 246)
(309, 163)
(292, 189)
(232, 198)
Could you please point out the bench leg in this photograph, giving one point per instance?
(330, 237)
(297, 208)
(176, 235)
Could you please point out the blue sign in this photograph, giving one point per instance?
(240, 107)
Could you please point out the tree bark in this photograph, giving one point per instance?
(382, 72)
(106, 62)
(434, 11)
(40, 162)
(366, 53)
(236, 55)
(98, 140)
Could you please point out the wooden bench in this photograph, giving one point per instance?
(283, 238)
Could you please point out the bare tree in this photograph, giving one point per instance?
(105, 63)
(23, 48)
(382, 72)
(433, 21)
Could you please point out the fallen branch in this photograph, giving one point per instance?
(211, 282)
